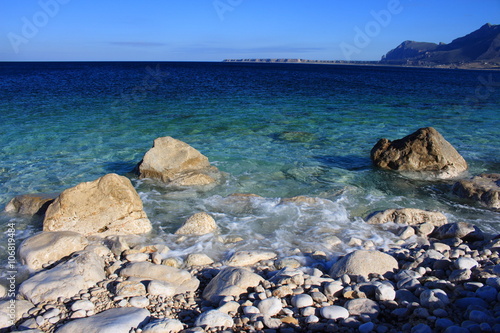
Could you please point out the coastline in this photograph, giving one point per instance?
(465, 66)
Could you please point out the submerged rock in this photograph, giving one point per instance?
(107, 206)
(176, 162)
(364, 263)
(29, 204)
(422, 151)
(49, 246)
(484, 188)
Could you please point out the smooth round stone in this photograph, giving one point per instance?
(480, 317)
(311, 319)
(441, 313)
(493, 282)
(270, 306)
(465, 263)
(334, 312)
(250, 310)
(139, 302)
(366, 327)
(302, 301)
(333, 288)
(456, 329)
(163, 325)
(83, 305)
(214, 319)
(464, 303)
(443, 323)
(421, 328)
(487, 293)
(385, 292)
(137, 257)
(434, 298)
(79, 314)
(308, 311)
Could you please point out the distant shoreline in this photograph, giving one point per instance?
(470, 66)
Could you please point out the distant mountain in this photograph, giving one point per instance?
(481, 47)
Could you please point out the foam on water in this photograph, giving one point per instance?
(277, 131)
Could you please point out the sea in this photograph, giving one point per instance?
(275, 130)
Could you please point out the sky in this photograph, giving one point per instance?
(213, 30)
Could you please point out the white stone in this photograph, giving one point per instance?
(198, 259)
(302, 301)
(13, 310)
(434, 298)
(130, 289)
(137, 257)
(333, 288)
(385, 292)
(364, 263)
(163, 326)
(161, 288)
(182, 279)
(466, 263)
(231, 281)
(214, 319)
(250, 310)
(248, 258)
(231, 306)
(334, 312)
(46, 247)
(118, 320)
(198, 224)
(312, 319)
(270, 306)
(139, 301)
(82, 271)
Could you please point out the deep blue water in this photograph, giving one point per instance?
(65, 123)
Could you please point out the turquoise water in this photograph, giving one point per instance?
(277, 130)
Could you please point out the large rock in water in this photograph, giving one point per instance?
(484, 188)
(423, 151)
(107, 206)
(175, 162)
(364, 263)
(49, 246)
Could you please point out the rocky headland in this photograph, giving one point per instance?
(93, 268)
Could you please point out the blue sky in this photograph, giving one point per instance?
(212, 30)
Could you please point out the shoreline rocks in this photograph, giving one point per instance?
(448, 281)
(422, 151)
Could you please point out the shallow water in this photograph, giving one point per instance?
(277, 130)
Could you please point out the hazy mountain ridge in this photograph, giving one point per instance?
(481, 46)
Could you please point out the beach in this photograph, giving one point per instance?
(286, 183)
